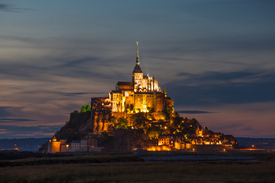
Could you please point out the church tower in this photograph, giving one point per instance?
(137, 75)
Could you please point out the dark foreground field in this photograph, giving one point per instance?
(129, 168)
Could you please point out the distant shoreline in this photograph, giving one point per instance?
(23, 138)
(33, 144)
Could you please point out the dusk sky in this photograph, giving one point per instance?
(216, 59)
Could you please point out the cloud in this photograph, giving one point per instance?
(248, 129)
(230, 76)
(3, 131)
(246, 12)
(48, 68)
(86, 68)
(8, 120)
(237, 119)
(79, 93)
(79, 62)
(11, 8)
(4, 112)
(4, 7)
(230, 126)
(193, 112)
(215, 44)
(217, 88)
(213, 77)
(9, 131)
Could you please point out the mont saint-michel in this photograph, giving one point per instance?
(137, 114)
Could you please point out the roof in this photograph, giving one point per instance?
(115, 91)
(124, 83)
(75, 141)
(148, 92)
(137, 69)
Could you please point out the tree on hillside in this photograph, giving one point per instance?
(85, 108)
(154, 132)
(150, 110)
(122, 123)
(139, 120)
(176, 120)
(112, 121)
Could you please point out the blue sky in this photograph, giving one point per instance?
(215, 59)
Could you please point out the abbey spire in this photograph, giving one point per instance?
(137, 68)
(137, 57)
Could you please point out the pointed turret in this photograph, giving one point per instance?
(137, 57)
(137, 68)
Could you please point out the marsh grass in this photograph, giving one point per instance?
(70, 160)
(141, 172)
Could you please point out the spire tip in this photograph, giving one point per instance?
(137, 57)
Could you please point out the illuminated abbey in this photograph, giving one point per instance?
(142, 94)
(137, 114)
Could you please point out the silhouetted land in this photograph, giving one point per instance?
(258, 143)
(23, 144)
(33, 144)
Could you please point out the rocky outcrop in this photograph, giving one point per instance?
(72, 129)
(126, 140)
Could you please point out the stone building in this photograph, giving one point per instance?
(74, 146)
(100, 113)
(142, 94)
(87, 143)
(55, 146)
